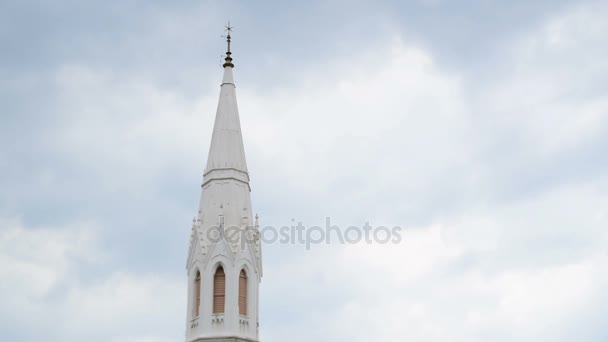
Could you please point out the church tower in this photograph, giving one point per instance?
(225, 257)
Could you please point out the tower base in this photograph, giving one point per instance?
(223, 339)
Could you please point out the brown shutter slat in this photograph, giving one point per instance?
(197, 294)
(243, 293)
(219, 290)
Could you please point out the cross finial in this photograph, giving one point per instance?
(228, 28)
(228, 58)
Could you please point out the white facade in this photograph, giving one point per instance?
(225, 202)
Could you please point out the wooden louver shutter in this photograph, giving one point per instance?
(219, 290)
(197, 294)
(243, 293)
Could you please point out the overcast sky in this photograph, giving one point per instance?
(480, 127)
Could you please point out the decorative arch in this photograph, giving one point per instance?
(197, 294)
(243, 288)
(219, 290)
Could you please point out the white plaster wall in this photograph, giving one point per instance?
(230, 323)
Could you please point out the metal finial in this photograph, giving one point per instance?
(228, 58)
(228, 28)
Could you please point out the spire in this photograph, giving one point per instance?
(226, 152)
(228, 58)
(225, 203)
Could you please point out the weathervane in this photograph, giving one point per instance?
(228, 58)
(228, 28)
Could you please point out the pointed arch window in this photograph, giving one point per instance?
(197, 294)
(243, 293)
(219, 290)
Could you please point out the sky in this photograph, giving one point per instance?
(479, 127)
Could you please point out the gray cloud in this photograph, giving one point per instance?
(482, 137)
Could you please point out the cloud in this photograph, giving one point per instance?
(400, 118)
(50, 288)
(496, 172)
(507, 176)
(36, 261)
(138, 305)
(517, 273)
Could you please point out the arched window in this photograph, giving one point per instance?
(243, 293)
(197, 293)
(219, 290)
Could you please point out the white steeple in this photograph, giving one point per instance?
(224, 261)
(226, 149)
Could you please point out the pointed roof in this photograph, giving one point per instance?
(226, 151)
